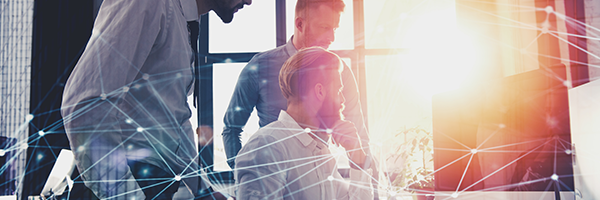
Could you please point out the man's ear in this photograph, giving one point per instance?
(320, 92)
(299, 23)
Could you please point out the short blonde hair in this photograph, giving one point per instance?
(302, 5)
(306, 68)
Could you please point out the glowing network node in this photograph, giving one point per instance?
(253, 67)
(330, 178)
(237, 108)
(177, 178)
(140, 129)
(125, 89)
(264, 81)
(549, 9)
(454, 195)
(473, 151)
(29, 117)
(228, 60)
(568, 151)
(40, 156)
(567, 84)
(80, 148)
(545, 26)
(501, 126)
(103, 96)
(307, 130)
(128, 121)
(41, 133)
(178, 75)
(554, 177)
(24, 146)
(130, 147)
(329, 131)
(146, 76)
(2, 152)
(137, 86)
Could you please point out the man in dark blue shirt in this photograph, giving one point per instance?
(314, 25)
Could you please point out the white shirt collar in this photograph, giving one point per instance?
(294, 127)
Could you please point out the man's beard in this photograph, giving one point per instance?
(226, 13)
(313, 42)
(330, 113)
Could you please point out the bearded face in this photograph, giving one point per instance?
(226, 8)
(332, 108)
(321, 23)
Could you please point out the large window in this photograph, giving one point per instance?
(387, 43)
(252, 30)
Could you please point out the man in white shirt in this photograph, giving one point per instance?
(289, 158)
(125, 104)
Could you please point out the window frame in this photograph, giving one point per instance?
(206, 60)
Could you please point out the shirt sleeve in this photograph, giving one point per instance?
(360, 184)
(259, 170)
(123, 36)
(353, 111)
(243, 101)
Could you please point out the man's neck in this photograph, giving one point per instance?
(307, 120)
(304, 118)
(297, 42)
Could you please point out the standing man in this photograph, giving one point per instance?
(125, 104)
(289, 158)
(314, 25)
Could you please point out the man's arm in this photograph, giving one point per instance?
(345, 134)
(353, 111)
(122, 38)
(243, 101)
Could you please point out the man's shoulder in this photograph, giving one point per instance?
(271, 131)
(270, 54)
(268, 137)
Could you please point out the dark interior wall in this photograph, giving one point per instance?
(61, 29)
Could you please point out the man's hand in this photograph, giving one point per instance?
(345, 133)
(205, 135)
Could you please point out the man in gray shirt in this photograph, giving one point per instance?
(125, 104)
(314, 25)
(289, 158)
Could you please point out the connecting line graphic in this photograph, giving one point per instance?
(299, 177)
(498, 170)
(192, 168)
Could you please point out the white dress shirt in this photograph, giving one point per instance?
(282, 161)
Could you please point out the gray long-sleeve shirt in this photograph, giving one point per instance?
(127, 95)
(258, 87)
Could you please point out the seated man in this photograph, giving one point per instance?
(289, 158)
